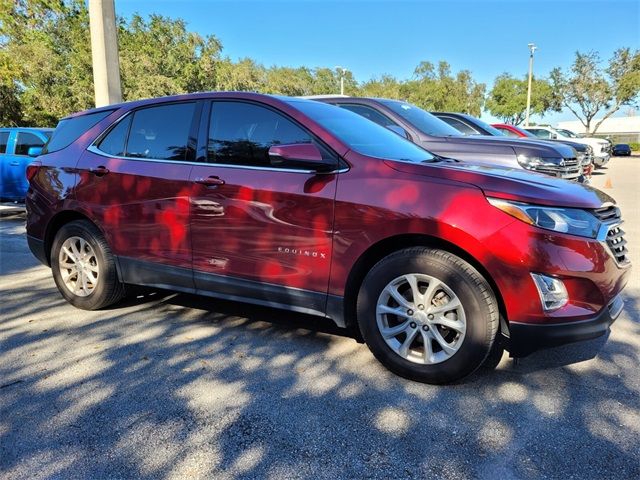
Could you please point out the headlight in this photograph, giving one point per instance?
(580, 157)
(531, 163)
(573, 221)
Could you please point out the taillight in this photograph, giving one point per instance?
(32, 169)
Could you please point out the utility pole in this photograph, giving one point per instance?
(532, 48)
(343, 72)
(104, 52)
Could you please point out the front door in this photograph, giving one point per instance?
(260, 231)
(135, 183)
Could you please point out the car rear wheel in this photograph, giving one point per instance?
(84, 268)
(427, 315)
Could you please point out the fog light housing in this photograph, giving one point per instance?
(553, 293)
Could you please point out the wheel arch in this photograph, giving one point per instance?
(59, 220)
(384, 247)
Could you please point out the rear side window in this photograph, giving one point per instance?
(161, 132)
(115, 141)
(4, 139)
(242, 133)
(540, 133)
(26, 141)
(70, 129)
(460, 126)
(370, 113)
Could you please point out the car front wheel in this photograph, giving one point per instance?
(427, 315)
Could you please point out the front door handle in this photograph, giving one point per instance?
(15, 163)
(99, 171)
(211, 181)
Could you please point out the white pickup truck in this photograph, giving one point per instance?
(601, 147)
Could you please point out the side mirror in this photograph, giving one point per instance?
(554, 136)
(399, 130)
(34, 151)
(298, 155)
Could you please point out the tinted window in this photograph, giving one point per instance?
(540, 133)
(161, 132)
(26, 141)
(241, 133)
(458, 125)
(361, 135)
(485, 126)
(4, 139)
(369, 113)
(114, 142)
(423, 121)
(69, 129)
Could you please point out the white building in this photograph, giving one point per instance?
(620, 129)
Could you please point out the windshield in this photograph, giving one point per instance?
(423, 121)
(567, 133)
(362, 135)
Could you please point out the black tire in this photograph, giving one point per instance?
(473, 291)
(494, 357)
(108, 289)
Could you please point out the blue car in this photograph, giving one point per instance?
(621, 149)
(14, 158)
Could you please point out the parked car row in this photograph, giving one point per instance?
(335, 210)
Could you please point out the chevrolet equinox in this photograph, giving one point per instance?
(300, 205)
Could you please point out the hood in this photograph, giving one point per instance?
(525, 146)
(510, 183)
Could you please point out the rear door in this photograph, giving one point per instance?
(134, 181)
(263, 231)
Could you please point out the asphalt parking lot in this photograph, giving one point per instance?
(175, 386)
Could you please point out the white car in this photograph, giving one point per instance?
(601, 147)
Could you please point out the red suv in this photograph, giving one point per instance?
(301, 205)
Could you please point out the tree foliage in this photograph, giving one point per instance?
(507, 99)
(46, 71)
(589, 88)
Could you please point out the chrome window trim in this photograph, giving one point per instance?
(97, 151)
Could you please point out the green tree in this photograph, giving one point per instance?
(438, 89)
(507, 99)
(384, 87)
(589, 89)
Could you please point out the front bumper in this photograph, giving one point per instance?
(525, 339)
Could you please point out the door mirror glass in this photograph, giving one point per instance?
(399, 130)
(299, 155)
(34, 151)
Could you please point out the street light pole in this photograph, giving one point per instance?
(532, 48)
(342, 71)
(104, 52)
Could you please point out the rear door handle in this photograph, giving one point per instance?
(15, 163)
(99, 171)
(211, 181)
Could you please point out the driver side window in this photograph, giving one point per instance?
(242, 133)
(540, 133)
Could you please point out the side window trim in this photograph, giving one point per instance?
(203, 140)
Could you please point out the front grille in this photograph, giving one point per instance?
(610, 215)
(570, 169)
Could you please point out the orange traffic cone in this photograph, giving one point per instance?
(607, 184)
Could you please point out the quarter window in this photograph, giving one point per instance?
(115, 141)
(160, 132)
(26, 141)
(4, 140)
(242, 133)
